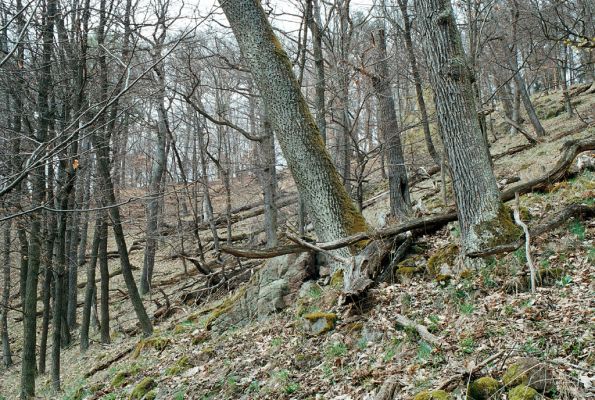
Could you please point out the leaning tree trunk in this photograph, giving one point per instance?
(481, 214)
(328, 203)
(400, 200)
(518, 78)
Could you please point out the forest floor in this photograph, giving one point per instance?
(486, 314)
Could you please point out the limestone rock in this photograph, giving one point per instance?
(318, 323)
(531, 372)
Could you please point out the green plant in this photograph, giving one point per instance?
(466, 308)
(315, 292)
(179, 395)
(565, 280)
(109, 396)
(291, 387)
(521, 256)
(424, 351)
(591, 255)
(253, 387)
(337, 349)
(362, 343)
(434, 323)
(276, 342)
(578, 229)
(467, 345)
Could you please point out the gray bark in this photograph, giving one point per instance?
(328, 203)
(479, 209)
(6, 352)
(400, 200)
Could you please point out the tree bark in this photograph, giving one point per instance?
(6, 353)
(400, 200)
(481, 214)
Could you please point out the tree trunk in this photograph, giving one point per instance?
(481, 214)
(90, 287)
(419, 93)
(268, 178)
(317, 180)
(157, 172)
(104, 274)
(400, 200)
(46, 295)
(37, 199)
(6, 353)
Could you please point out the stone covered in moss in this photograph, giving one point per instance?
(337, 279)
(142, 388)
(529, 371)
(442, 261)
(320, 322)
(499, 230)
(482, 388)
(433, 395)
(522, 392)
(151, 395)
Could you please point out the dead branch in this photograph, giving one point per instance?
(109, 362)
(517, 219)
(570, 150)
(532, 139)
(457, 377)
(421, 330)
(573, 210)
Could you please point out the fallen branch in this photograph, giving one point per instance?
(457, 377)
(555, 221)
(519, 222)
(532, 139)
(311, 246)
(570, 150)
(421, 330)
(109, 362)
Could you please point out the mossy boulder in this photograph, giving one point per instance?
(318, 323)
(433, 395)
(142, 388)
(482, 388)
(441, 263)
(530, 372)
(269, 291)
(499, 230)
(522, 392)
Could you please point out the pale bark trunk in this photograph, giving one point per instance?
(480, 212)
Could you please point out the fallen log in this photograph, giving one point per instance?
(570, 150)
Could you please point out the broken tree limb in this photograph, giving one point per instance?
(421, 330)
(311, 246)
(263, 253)
(555, 221)
(570, 150)
(457, 377)
(519, 222)
(532, 139)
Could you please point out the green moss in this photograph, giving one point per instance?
(433, 395)
(151, 395)
(119, 379)
(225, 306)
(156, 342)
(181, 365)
(337, 279)
(445, 255)
(482, 388)
(406, 271)
(515, 375)
(498, 230)
(549, 276)
(522, 392)
(142, 388)
(330, 319)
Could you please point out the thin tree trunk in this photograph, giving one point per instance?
(6, 353)
(51, 230)
(268, 178)
(28, 366)
(419, 93)
(90, 287)
(400, 200)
